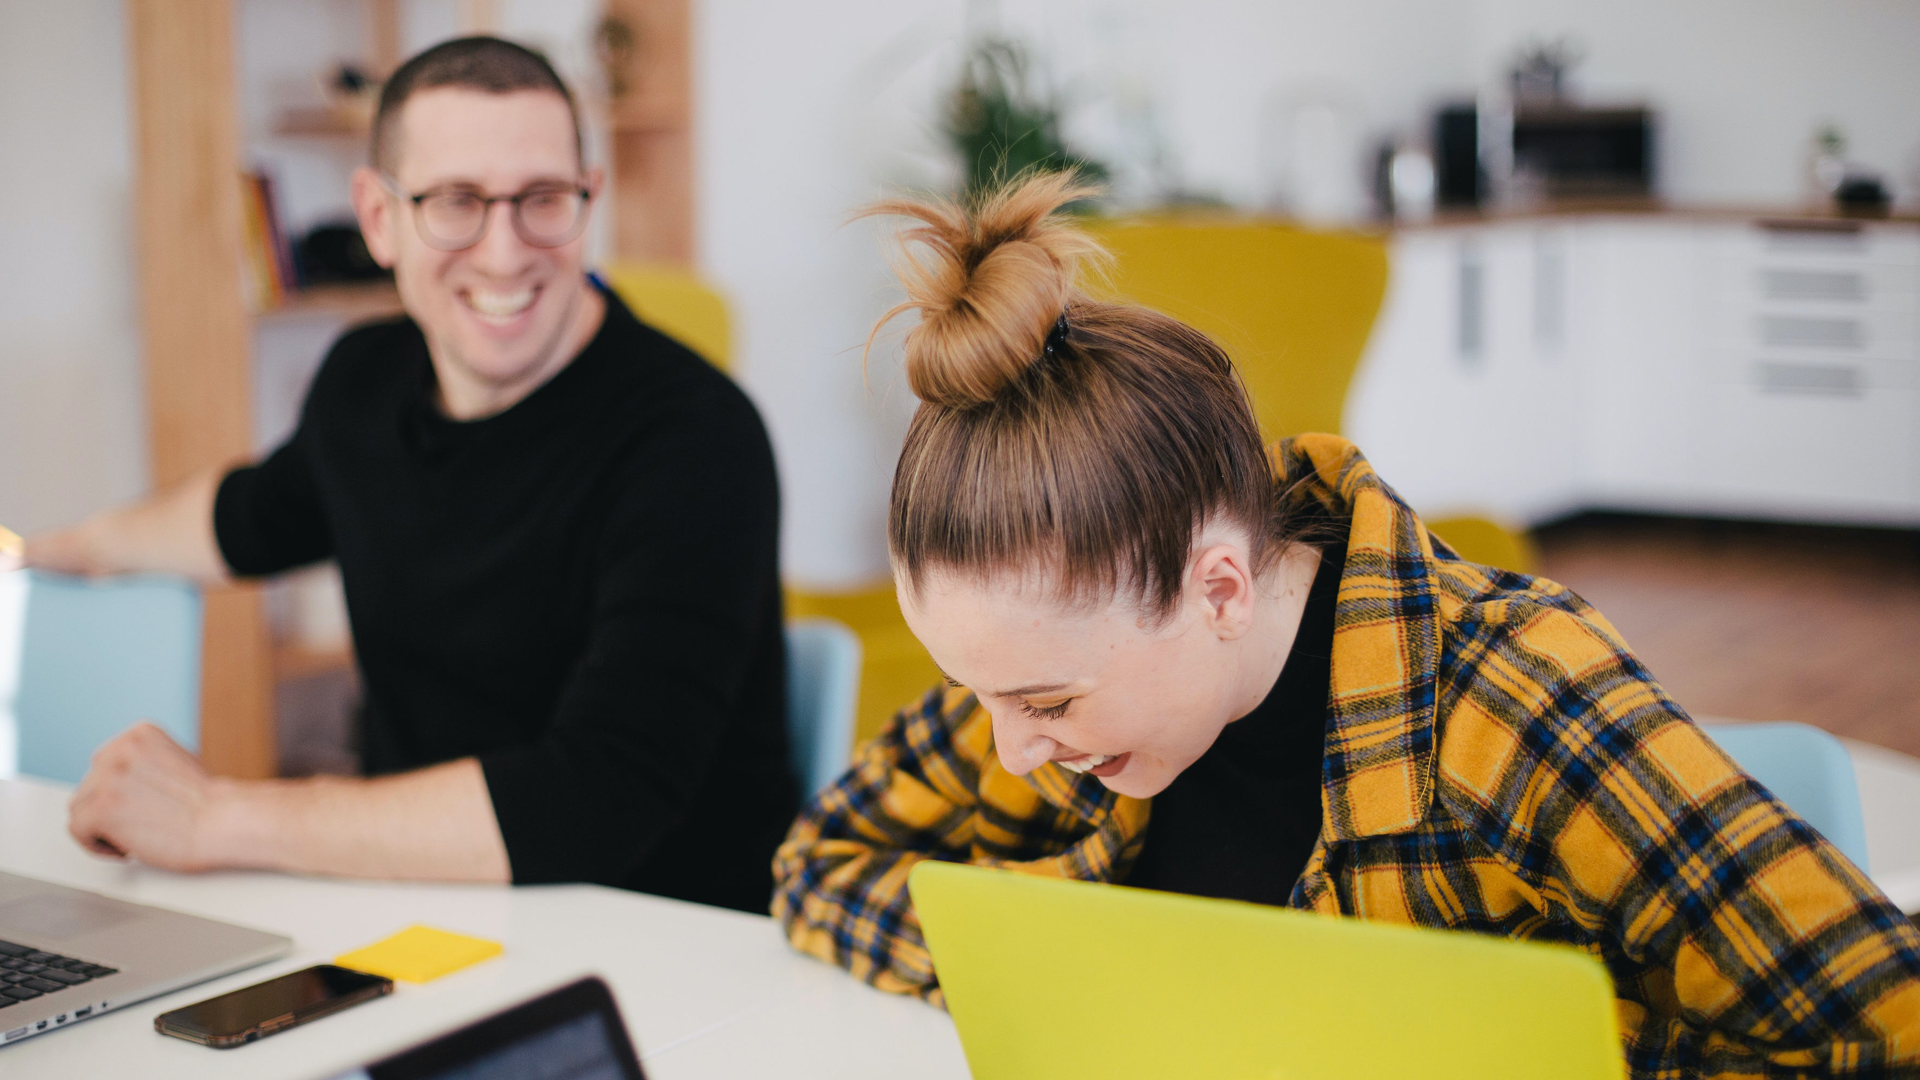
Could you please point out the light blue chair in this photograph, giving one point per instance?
(96, 656)
(823, 688)
(1807, 769)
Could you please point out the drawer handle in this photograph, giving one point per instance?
(1813, 235)
(1471, 317)
(1813, 285)
(1801, 332)
(1826, 380)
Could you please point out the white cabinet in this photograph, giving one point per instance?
(1536, 367)
(1812, 356)
(1462, 389)
(1635, 346)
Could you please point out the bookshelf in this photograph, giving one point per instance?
(347, 301)
(320, 123)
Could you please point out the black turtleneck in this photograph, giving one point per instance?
(1240, 822)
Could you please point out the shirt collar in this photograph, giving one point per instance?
(1378, 774)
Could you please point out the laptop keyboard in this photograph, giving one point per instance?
(26, 973)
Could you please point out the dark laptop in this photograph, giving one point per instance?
(573, 1033)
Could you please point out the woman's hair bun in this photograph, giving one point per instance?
(991, 282)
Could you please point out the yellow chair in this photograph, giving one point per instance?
(1294, 308)
(678, 303)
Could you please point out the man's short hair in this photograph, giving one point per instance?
(481, 63)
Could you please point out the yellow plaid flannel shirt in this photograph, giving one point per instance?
(1496, 761)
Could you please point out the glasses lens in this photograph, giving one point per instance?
(550, 217)
(453, 217)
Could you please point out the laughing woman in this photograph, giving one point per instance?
(1181, 662)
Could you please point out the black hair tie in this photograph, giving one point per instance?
(1058, 335)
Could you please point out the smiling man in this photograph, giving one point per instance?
(557, 531)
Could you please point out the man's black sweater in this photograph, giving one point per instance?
(581, 591)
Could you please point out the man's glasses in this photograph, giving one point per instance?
(454, 219)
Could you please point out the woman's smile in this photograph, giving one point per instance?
(1097, 764)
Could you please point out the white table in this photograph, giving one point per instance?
(705, 992)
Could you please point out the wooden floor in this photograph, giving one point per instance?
(1760, 622)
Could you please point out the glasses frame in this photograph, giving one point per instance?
(585, 193)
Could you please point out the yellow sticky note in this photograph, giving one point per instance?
(11, 544)
(419, 954)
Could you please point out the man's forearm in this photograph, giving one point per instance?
(170, 533)
(435, 824)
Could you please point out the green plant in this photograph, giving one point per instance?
(1001, 127)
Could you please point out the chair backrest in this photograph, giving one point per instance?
(823, 686)
(1292, 306)
(1807, 769)
(678, 303)
(84, 660)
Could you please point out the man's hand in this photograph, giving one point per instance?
(147, 798)
(170, 533)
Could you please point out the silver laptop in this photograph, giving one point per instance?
(66, 954)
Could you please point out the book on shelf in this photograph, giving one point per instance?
(270, 269)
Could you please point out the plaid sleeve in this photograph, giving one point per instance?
(929, 787)
(1742, 943)
(841, 875)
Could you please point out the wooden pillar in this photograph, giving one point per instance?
(652, 132)
(196, 329)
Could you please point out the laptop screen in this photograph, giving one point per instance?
(573, 1033)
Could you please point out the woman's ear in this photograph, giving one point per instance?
(1220, 583)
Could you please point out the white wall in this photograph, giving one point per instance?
(804, 112)
(72, 414)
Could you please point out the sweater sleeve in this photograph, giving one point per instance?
(1741, 942)
(685, 567)
(268, 517)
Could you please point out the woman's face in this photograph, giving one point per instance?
(1098, 688)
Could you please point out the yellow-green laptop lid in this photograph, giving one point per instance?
(1057, 979)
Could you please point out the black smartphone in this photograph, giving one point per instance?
(257, 1011)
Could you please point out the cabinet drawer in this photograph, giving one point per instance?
(1796, 286)
(1811, 374)
(1821, 244)
(1797, 331)
(1834, 451)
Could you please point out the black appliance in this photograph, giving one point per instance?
(1574, 152)
(1459, 177)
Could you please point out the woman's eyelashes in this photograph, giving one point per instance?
(1046, 712)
